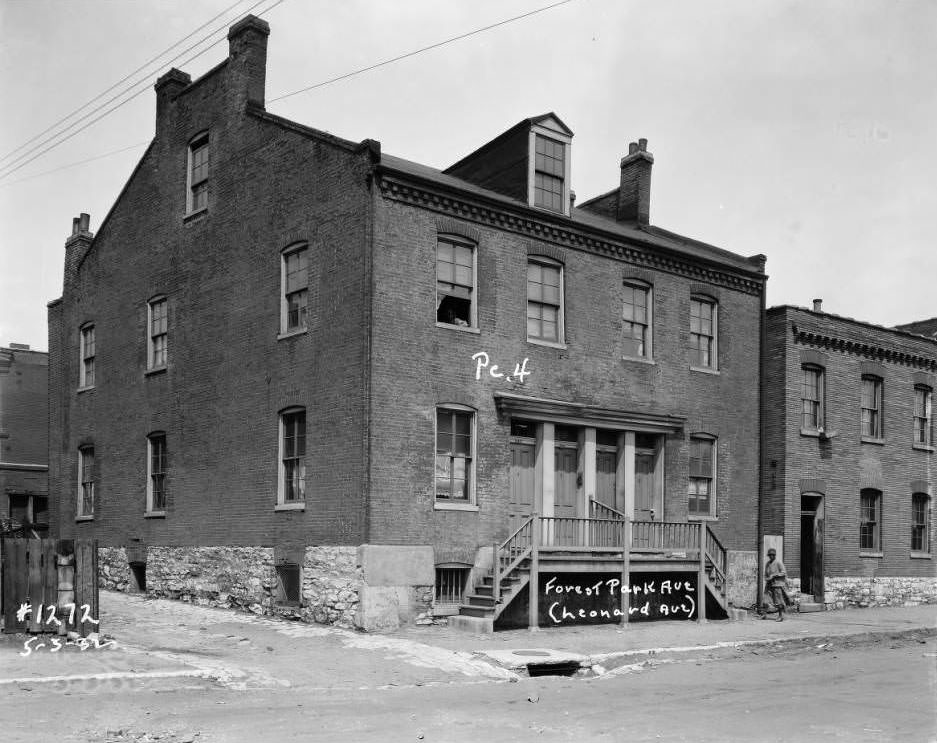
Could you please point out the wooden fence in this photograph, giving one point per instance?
(55, 579)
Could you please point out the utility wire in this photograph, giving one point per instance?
(75, 164)
(12, 167)
(418, 51)
(119, 82)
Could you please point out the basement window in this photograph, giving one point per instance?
(451, 581)
(289, 585)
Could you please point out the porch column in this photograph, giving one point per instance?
(587, 466)
(628, 475)
(545, 467)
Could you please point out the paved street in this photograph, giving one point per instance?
(186, 673)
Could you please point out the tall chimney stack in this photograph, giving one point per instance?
(634, 193)
(818, 305)
(247, 51)
(167, 87)
(76, 246)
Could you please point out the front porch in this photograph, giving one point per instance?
(686, 563)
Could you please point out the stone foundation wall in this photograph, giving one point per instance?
(113, 569)
(741, 577)
(880, 591)
(332, 580)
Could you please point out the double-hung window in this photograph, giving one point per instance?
(157, 348)
(156, 473)
(923, 426)
(455, 455)
(197, 176)
(870, 521)
(703, 333)
(292, 489)
(455, 282)
(636, 320)
(544, 301)
(920, 516)
(549, 173)
(702, 480)
(811, 398)
(86, 476)
(871, 417)
(295, 294)
(86, 357)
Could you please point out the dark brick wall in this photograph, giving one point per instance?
(271, 185)
(417, 365)
(777, 418)
(845, 464)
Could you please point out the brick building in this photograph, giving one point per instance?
(293, 369)
(848, 472)
(24, 438)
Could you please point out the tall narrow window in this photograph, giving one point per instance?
(923, 426)
(811, 398)
(703, 333)
(295, 297)
(197, 197)
(544, 301)
(872, 407)
(549, 173)
(870, 521)
(292, 456)
(920, 515)
(157, 326)
(156, 473)
(86, 369)
(636, 312)
(702, 482)
(454, 455)
(455, 282)
(85, 482)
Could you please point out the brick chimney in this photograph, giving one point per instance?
(76, 247)
(634, 193)
(167, 87)
(247, 51)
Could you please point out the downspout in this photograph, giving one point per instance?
(373, 152)
(762, 365)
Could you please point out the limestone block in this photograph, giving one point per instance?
(378, 608)
(395, 565)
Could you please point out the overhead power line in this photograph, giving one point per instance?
(119, 82)
(76, 164)
(418, 51)
(19, 162)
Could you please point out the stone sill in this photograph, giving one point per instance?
(195, 216)
(704, 370)
(460, 328)
(154, 515)
(811, 432)
(872, 554)
(84, 518)
(292, 333)
(921, 556)
(445, 506)
(155, 370)
(548, 344)
(290, 507)
(84, 389)
(872, 440)
(923, 447)
(640, 360)
(701, 518)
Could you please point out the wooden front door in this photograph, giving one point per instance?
(523, 457)
(606, 463)
(645, 495)
(566, 464)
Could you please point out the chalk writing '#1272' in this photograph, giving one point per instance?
(483, 361)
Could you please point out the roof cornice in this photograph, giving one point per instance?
(865, 350)
(409, 189)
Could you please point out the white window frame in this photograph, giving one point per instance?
(560, 341)
(648, 290)
(196, 143)
(150, 473)
(457, 240)
(928, 418)
(468, 504)
(283, 504)
(714, 349)
(925, 525)
(877, 548)
(712, 514)
(151, 337)
(821, 397)
(86, 380)
(285, 330)
(878, 384)
(539, 130)
(83, 452)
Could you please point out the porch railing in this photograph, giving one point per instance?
(587, 534)
(665, 535)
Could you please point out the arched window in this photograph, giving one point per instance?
(156, 466)
(870, 521)
(455, 455)
(637, 313)
(704, 333)
(923, 425)
(294, 293)
(872, 405)
(920, 523)
(291, 492)
(812, 398)
(456, 281)
(197, 174)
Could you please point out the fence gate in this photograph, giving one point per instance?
(43, 573)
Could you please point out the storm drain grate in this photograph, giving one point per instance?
(561, 668)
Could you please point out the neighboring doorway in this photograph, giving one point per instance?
(811, 545)
(646, 488)
(523, 459)
(606, 467)
(566, 467)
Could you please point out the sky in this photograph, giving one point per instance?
(800, 129)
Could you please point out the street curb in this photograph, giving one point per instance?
(109, 676)
(604, 659)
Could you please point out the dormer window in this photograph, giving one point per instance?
(549, 173)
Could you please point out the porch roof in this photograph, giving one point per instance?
(572, 413)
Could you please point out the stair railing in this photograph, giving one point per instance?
(511, 553)
(716, 554)
(601, 511)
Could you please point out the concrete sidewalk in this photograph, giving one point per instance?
(162, 641)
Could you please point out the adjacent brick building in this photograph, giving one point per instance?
(293, 369)
(849, 465)
(24, 439)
